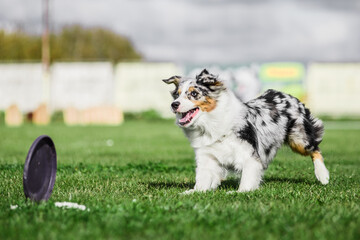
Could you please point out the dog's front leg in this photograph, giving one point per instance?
(251, 175)
(208, 174)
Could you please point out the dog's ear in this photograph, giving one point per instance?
(174, 79)
(207, 79)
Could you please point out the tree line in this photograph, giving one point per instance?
(72, 43)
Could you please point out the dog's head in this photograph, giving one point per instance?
(194, 98)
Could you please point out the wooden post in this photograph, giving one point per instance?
(45, 66)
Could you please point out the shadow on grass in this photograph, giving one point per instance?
(233, 184)
(287, 180)
(229, 184)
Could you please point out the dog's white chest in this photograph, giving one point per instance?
(228, 151)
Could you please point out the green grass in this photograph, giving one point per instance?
(132, 189)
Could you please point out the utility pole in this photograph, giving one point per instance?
(45, 36)
(41, 114)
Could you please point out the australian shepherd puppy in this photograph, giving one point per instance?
(228, 134)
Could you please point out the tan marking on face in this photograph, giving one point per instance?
(298, 148)
(317, 155)
(206, 106)
(191, 89)
(179, 92)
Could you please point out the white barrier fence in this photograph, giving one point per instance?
(132, 87)
(331, 89)
(334, 89)
(81, 85)
(139, 86)
(21, 85)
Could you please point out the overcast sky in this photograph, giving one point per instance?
(211, 31)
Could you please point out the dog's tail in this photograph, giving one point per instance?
(314, 129)
(308, 143)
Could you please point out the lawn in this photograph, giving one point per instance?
(130, 177)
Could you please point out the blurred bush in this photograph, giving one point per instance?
(2, 117)
(19, 46)
(151, 115)
(72, 43)
(57, 117)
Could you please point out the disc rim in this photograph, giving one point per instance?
(30, 157)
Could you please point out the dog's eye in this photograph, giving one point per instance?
(194, 94)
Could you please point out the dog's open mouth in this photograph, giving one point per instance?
(188, 116)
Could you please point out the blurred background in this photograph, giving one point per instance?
(89, 62)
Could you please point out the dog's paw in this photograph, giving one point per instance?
(187, 192)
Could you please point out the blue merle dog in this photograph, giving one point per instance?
(227, 133)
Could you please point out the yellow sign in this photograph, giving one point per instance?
(270, 72)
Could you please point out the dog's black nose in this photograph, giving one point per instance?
(175, 105)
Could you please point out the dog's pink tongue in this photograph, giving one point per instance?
(186, 118)
(189, 115)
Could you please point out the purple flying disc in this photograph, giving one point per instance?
(40, 169)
